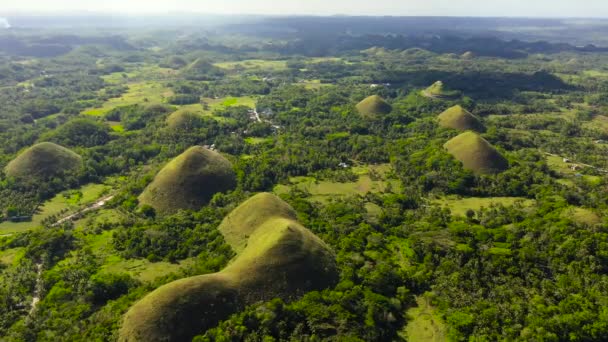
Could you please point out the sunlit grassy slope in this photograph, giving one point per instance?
(189, 181)
(280, 259)
(476, 153)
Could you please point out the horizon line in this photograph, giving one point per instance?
(192, 14)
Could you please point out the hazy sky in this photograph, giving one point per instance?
(528, 8)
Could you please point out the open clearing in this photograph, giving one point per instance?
(139, 93)
(596, 73)
(116, 126)
(253, 64)
(557, 164)
(324, 191)
(257, 141)
(140, 73)
(459, 206)
(218, 104)
(424, 324)
(599, 122)
(100, 216)
(582, 215)
(225, 102)
(148, 93)
(313, 84)
(372, 178)
(9, 256)
(142, 269)
(71, 201)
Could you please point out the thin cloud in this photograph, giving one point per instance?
(526, 8)
(4, 23)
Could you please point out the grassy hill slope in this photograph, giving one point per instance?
(189, 181)
(476, 153)
(460, 119)
(242, 222)
(184, 120)
(373, 106)
(438, 90)
(282, 259)
(44, 161)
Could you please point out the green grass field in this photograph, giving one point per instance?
(253, 64)
(100, 216)
(404, 252)
(459, 206)
(140, 73)
(116, 126)
(146, 91)
(139, 93)
(142, 269)
(224, 102)
(313, 84)
(116, 77)
(373, 210)
(424, 324)
(382, 170)
(268, 65)
(323, 191)
(10, 256)
(582, 215)
(596, 73)
(599, 122)
(219, 103)
(558, 165)
(257, 141)
(83, 196)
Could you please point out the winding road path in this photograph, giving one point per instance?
(97, 205)
(38, 289)
(100, 203)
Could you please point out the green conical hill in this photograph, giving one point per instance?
(189, 181)
(439, 90)
(459, 118)
(44, 161)
(184, 120)
(373, 106)
(476, 153)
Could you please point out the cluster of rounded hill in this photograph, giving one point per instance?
(472, 150)
(276, 258)
(475, 153)
(44, 161)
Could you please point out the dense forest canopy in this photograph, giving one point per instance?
(130, 157)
